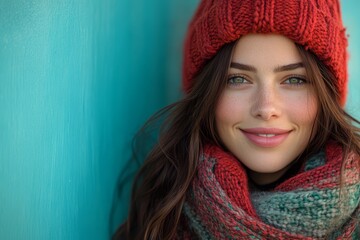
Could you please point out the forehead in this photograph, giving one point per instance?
(265, 50)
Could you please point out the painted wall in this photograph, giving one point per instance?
(351, 19)
(77, 79)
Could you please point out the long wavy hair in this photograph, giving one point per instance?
(160, 186)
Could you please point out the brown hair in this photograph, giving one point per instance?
(160, 186)
(332, 122)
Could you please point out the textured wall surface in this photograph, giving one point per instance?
(350, 11)
(77, 79)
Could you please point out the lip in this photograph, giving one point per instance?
(277, 136)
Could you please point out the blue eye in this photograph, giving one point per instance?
(295, 81)
(237, 80)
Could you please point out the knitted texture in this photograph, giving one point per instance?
(315, 24)
(220, 205)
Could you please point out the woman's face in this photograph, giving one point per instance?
(267, 110)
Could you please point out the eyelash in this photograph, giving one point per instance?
(300, 78)
(234, 76)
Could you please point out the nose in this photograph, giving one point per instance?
(266, 105)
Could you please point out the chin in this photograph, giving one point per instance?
(263, 175)
(272, 167)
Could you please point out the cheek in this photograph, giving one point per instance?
(229, 110)
(303, 111)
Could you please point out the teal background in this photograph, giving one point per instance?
(77, 79)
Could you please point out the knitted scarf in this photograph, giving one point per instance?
(221, 205)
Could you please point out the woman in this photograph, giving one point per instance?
(260, 146)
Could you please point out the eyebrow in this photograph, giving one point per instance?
(244, 67)
(283, 68)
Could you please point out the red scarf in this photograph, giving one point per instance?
(220, 205)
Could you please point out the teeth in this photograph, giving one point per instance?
(266, 135)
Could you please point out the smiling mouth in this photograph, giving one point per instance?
(266, 137)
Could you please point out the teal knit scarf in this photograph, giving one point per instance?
(221, 205)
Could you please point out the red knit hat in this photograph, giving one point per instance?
(315, 24)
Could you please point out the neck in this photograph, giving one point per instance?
(266, 178)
